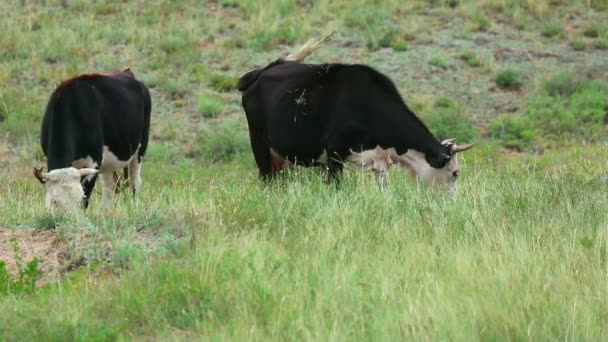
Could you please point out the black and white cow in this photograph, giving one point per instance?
(94, 123)
(313, 114)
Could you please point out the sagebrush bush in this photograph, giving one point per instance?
(508, 79)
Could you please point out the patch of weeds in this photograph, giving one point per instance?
(399, 45)
(22, 284)
(578, 45)
(380, 29)
(223, 83)
(551, 30)
(446, 121)
(562, 84)
(592, 31)
(48, 221)
(513, 131)
(224, 141)
(601, 44)
(440, 61)
(470, 58)
(478, 18)
(444, 102)
(209, 105)
(571, 109)
(508, 79)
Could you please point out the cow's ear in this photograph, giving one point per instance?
(462, 148)
(42, 177)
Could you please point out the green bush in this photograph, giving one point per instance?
(470, 58)
(508, 79)
(601, 44)
(209, 105)
(562, 84)
(551, 30)
(578, 45)
(513, 131)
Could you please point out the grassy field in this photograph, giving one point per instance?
(206, 251)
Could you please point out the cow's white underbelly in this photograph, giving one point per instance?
(109, 161)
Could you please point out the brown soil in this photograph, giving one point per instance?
(22, 246)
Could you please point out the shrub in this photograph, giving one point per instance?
(508, 79)
(578, 45)
(440, 61)
(470, 58)
(551, 30)
(399, 45)
(513, 131)
(563, 84)
(601, 44)
(592, 31)
(209, 105)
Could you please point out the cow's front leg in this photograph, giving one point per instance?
(135, 174)
(109, 189)
(382, 179)
(334, 167)
(88, 183)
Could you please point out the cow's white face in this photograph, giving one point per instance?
(380, 160)
(63, 188)
(420, 169)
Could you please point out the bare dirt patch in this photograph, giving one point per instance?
(22, 246)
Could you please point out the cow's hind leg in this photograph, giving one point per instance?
(263, 159)
(135, 174)
(109, 188)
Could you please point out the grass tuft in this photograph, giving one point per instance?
(209, 105)
(508, 79)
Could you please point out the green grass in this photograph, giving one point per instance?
(207, 251)
(517, 255)
(209, 105)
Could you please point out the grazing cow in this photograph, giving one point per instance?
(94, 123)
(311, 114)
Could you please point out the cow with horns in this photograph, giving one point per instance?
(327, 114)
(93, 124)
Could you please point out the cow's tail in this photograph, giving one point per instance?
(297, 55)
(305, 50)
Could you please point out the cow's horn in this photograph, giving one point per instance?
(461, 148)
(447, 141)
(41, 176)
(87, 171)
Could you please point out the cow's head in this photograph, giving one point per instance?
(438, 170)
(63, 187)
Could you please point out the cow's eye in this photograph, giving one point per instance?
(455, 174)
